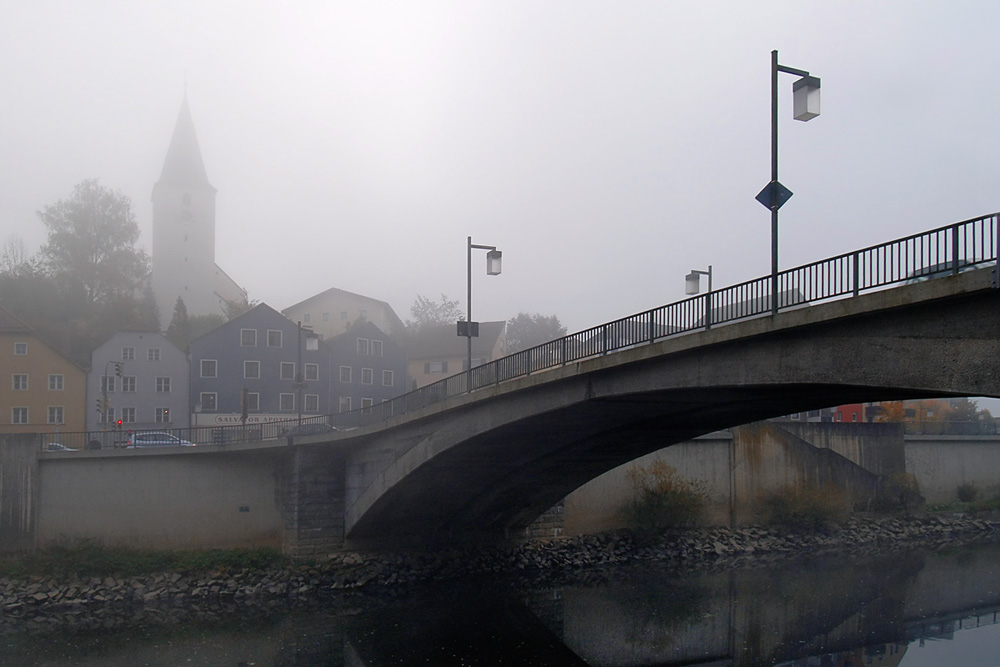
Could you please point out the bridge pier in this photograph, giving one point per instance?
(311, 488)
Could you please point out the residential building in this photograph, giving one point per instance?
(367, 368)
(145, 379)
(260, 362)
(853, 412)
(335, 311)
(436, 351)
(184, 231)
(41, 391)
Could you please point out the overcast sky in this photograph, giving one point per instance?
(606, 148)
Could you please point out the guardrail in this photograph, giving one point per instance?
(943, 251)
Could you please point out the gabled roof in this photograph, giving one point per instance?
(442, 341)
(184, 166)
(10, 324)
(335, 291)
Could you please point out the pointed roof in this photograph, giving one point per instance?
(184, 166)
(10, 324)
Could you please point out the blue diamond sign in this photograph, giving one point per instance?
(774, 195)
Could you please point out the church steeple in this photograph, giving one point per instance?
(184, 166)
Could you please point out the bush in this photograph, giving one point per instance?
(663, 499)
(797, 508)
(967, 492)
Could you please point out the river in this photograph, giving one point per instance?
(909, 608)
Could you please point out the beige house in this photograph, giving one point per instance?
(334, 311)
(435, 352)
(41, 391)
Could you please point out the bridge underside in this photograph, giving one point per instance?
(488, 467)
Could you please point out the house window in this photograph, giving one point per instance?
(376, 348)
(436, 367)
(363, 346)
(251, 370)
(56, 382)
(253, 401)
(854, 416)
(326, 317)
(153, 354)
(307, 317)
(248, 337)
(311, 403)
(128, 354)
(287, 370)
(107, 384)
(208, 401)
(163, 385)
(366, 405)
(162, 415)
(128, 415)
(110, 416)
(387, 378)
(20, 381)
(209, 368)
(345, 373)
(367, 376)
(21, 349)
(312, 372)
(273, 338)
(55, 414)
(19, 415)
(286, 402)
(128, 383)
(345, 404)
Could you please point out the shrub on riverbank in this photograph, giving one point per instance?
(92, 560)
(807, 509)
(663, 499)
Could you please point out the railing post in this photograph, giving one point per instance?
(708, 310)
(954, 249)
(564, 351)
(856, 260)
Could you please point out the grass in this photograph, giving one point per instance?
(92, 560)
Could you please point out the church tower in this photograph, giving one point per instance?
(184, 231)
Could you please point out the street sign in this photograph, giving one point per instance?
(774, 195)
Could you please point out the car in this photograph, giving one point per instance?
(56, 447)
(312, 428)
(155, 439)
(942, 269)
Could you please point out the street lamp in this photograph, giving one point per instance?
(805, 106)
(494, 259)
(692, 285)
(311, 344)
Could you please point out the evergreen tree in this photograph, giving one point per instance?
(179, 331)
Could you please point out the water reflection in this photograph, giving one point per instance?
(908, 609)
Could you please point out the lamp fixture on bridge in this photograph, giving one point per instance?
(692, 281)
(805, 106)
(494, 260)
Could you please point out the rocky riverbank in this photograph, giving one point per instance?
(348, 578)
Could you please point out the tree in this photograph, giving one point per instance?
(526, 331)
(891, 411)
(91, 249)
(202, 324)
(179, 331)
(237, 307)
(426, 312)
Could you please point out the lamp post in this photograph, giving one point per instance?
(494, 260)
(805, 106)
(692, 285)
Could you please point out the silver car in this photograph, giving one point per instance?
(156, 439)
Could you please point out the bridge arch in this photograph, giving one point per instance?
(489, 462)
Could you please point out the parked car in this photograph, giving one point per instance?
(56, 447)
(156, 439)
(312, 428)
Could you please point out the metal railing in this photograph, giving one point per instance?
(943, 251)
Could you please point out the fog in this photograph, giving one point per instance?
(606, 148)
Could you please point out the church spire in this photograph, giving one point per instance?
(184, 166)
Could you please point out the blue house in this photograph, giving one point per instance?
(367, 367)
(260, 364)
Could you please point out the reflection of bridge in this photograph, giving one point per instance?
(452, 462)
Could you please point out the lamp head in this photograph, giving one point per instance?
(805, 98)
(494, 259)
(692, 283)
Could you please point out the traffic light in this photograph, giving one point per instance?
(118, 368)
(100, 405)
(119, 424)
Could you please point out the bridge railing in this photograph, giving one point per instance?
(943, 251)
